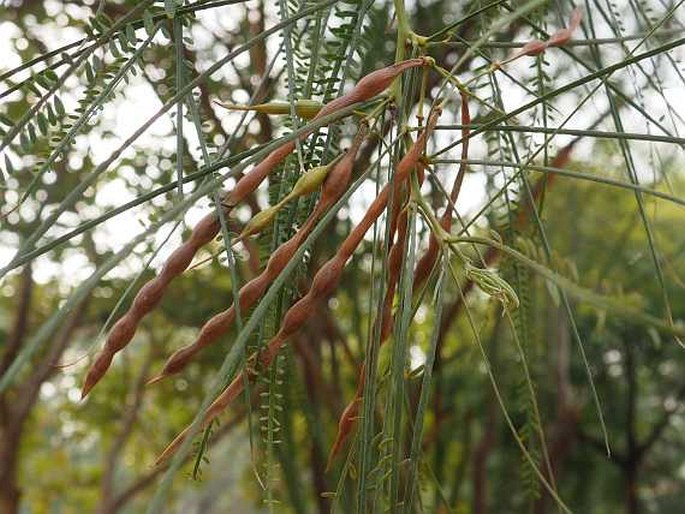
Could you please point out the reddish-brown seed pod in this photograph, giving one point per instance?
(559, 38)
(323, 285)
(147, 298)
(223, 401)
(576, 18)
(347, 422)
(429, 258)
(372, 84)
(251, 180)
(406, 165)
(398, 223)
(325, 281)
(333, 188)
(563, 36)
(395, 256)
(533, 48)
(348, 417)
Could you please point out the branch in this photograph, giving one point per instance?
(146, 480)
(660, 426)
(16, 336)
(28, 392)
(127, 426)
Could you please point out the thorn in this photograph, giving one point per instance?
(85, 390)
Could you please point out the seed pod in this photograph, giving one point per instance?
(147, 298)
(251, 180)
(259, 222)
(373, 84)
(563, 36)
(429, 258)
(349, 416)
(559, 38)
(576, 18)
(408, 163)
(333, 188)
(395, 256)
(309, 182)
(347, 420)
(366, 88)
(325, 281)
(151, 294)
(346, 424)
(306, 109)
(532, 48)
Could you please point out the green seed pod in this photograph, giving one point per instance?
(259, 221)
(306, 109)
(309, 182)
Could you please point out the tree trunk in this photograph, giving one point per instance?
(480, 461)
(9, 452)
(632, 498)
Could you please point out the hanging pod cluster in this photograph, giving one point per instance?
(324, 283)
(208, 228)
(349, 416)
(333, 181)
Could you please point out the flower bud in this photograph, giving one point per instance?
(493, 285)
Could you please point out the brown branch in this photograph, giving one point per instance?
(16, 335)
(658, 429)
(146, 480)
(127, 426)
(27, 395)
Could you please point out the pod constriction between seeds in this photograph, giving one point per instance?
(323, 284)
(148, 298)
(559, 38)
(335, 185)
(208, 228)
(348, 418)
(368, 87)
